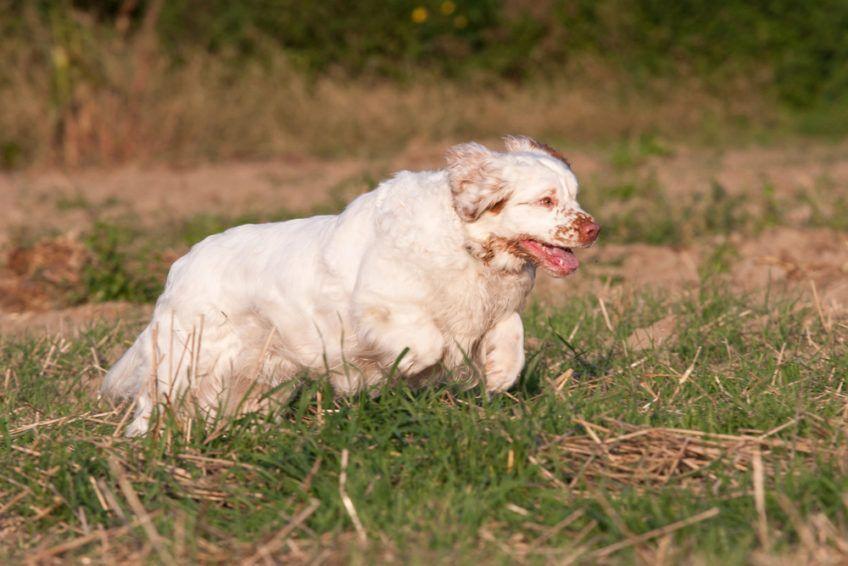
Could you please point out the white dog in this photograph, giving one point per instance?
(424, 276)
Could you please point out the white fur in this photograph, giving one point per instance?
(405, 279)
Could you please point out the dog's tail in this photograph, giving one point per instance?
(131, 371)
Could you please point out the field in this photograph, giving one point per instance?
(683, 397)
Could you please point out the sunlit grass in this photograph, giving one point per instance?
(598, 444)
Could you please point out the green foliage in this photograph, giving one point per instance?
(632, 152)
(720, 258)
(11, 154)
(800, 49)
(827, 203)
(803, 46)
(114, 273)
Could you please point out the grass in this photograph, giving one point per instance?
(599, 444)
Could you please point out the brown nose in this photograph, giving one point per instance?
(589, 231)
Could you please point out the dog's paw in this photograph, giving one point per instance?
(425, 348)
(498, 380)
(504, 353)
(138, 427)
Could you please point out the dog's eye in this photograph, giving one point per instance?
(547, 202)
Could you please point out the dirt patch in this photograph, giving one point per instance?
(739, 171)
(611, 266)
(68, 201)
(653, 335)
(72, 320)
(44, 276)
(789, 259)
(644, 265)
(811, 263)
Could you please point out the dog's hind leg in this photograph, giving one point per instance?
(131, 377)
(161, 366)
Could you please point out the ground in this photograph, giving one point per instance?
(683, 396)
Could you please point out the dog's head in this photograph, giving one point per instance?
(520, 206)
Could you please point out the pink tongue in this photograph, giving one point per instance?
(557, 260)
(561, 260)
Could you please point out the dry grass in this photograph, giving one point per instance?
(641, 456)
(102, 97)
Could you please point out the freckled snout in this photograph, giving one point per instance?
(588, 230)
(581, 231)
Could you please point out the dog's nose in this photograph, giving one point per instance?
(589, 231)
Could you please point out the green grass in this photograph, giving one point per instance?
(116, 271)
(449, 475)
(633, 206)
(640, 209)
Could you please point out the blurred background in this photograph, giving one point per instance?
(102, 82)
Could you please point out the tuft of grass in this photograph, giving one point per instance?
(598, 447)
(639, 209)
(827, 204)
(632, 152)
(113, 273)
(719, 261)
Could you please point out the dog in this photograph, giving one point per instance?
(422, 278)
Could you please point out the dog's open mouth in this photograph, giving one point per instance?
(556, 260)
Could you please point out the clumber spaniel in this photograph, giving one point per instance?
(422, 278)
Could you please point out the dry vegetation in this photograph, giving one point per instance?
(203, 111)
(108, 95)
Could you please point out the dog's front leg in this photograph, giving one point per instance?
(403, 336)
(503, 353)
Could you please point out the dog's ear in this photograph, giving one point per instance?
(525, 143)
(474, 181)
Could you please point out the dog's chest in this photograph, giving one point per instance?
(471, 303)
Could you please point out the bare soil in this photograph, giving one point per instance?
(810, 264)
(71, 320)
